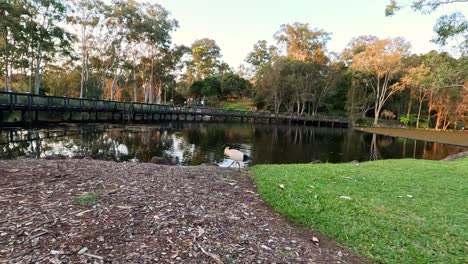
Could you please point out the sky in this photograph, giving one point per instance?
(236, 25)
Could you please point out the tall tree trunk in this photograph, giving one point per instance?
(165, 94)
(439, 118)
(419, 113)
(37, 75)
(303, 107)
(113, 85)
(31, 69)
(5, 39)
(429, 105)
(158, 95)
(135, 98)
(445, 124)
(31, 66)
(410, 104)
(298, 102)
(83, 51)
(376, 113)
(151, 77)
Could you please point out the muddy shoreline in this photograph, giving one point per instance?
(459, 138)
(145, 213)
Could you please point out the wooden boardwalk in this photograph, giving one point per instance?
(30, 106)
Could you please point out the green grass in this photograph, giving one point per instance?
(381, 222)
(88, 198)
(240, 104)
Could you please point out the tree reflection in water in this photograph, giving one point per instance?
(197, 143)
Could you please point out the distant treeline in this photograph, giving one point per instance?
(123, 51)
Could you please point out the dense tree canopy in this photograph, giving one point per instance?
(452, 26)
(123, 50)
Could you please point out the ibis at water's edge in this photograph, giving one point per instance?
(236, 155)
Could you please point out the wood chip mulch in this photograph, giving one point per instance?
(145, 213)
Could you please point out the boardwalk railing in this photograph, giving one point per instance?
(10, 101)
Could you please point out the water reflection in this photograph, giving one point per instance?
(196, 143)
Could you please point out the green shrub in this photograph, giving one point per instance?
(88, 198)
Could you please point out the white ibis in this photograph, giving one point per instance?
(236, 155)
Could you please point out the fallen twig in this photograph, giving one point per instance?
(84, 212)
(40, 234)
(113, 191)
(212, 255)
(93, 256)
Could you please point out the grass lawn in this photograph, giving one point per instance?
(240, 104)
(401, 211)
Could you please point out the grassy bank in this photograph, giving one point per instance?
(449, 137)
(240, 104)
(390, 211)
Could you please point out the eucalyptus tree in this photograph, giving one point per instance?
(261, 54)
(87, 16)
(47, 37)
(9, 20)
(448, 26)
(381, 61)
(273, 83)
(11, 38)
(416, 79)
(156, 28)
(206, 56)
(448, 88)
(122, 19)
(303, 43)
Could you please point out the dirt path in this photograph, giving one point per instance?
(449, 137)
(145, 213)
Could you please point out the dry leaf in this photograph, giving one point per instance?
(315, 240)
(83, 250)
(201, 231)
(265, 247)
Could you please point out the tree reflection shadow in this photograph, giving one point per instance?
(374, 148)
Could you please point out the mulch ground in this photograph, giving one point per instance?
(145, 213)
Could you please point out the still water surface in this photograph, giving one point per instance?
(197, 143)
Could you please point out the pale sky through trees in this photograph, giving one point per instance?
(237, 25)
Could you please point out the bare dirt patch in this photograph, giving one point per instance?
(90, 211)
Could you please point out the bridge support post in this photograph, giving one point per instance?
(23, 116)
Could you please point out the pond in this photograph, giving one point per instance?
(202, 143)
